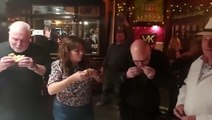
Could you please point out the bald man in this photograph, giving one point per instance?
(22, 67)
(140, 73)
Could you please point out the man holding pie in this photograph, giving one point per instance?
(140, 72)
(22, 68)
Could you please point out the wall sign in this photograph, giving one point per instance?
(149, 10)
(150, 38)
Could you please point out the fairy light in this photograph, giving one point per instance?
(178, 9)
(186, 8)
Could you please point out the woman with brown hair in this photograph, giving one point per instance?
(174, 49)
(70, 80)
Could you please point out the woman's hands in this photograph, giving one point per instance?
(86, 74)
(56, 87)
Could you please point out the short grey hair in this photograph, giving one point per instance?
(20, 24)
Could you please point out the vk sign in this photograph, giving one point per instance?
(150, 38)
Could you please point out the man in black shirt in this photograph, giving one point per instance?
(110, 87)
(21, 76)
(140, 73)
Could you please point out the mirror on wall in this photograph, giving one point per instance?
(83, 23)
(89, 31)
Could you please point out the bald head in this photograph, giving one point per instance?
(140, 51)
(19, 36)
(20, 26)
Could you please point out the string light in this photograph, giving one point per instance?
(183, 10)
(190, 9)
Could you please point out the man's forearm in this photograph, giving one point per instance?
(39, 69)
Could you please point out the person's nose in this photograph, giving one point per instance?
(18, 44)
(139, 63)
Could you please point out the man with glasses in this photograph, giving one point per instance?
(140, 74)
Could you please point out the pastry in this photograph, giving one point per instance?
(16, 58)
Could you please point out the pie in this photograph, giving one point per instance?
(89, 71)
(16, 58)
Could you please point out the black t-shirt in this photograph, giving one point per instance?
(20, 88)
(140, 92)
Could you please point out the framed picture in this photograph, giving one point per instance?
(183, 28)
(89, 11)
(51, 9)
(194, 27)
(201, 27)
(177, 27)
(188, 28)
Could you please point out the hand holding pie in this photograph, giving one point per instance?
(6, 62)
(92, 73)
(16, 58)
(89, 72)
(149, 71)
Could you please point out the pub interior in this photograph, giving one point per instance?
(158, 22)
